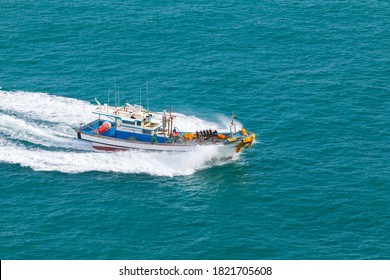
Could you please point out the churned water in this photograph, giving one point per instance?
(310, 78)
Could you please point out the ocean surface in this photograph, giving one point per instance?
(310, 78)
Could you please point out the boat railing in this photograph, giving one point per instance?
(89, 125)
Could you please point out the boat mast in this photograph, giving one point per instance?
(116, 99)
(170, 122)
(164, 121)
(119, 99)
(140, 96)
(147, 94)
(232, 124)
(108, 99)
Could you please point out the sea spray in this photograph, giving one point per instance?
(153, 163)
(45, 107)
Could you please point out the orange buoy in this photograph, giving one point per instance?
(188, 136)
(221, 136)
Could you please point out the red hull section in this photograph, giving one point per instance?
(109, 149)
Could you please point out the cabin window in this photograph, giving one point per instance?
(148, 119)
(144, 131)
(138, 123)
(128, 122)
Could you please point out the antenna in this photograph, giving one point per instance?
(170, 123)
(232, 125)
(108, 99)
(164, 121)
(116, 98)
(98, 103)
(147, 94)
(140, 98)
(119, 100)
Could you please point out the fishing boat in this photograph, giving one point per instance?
(134, 127)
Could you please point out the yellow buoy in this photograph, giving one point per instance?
(188, 136)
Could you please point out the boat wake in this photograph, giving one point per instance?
(37, 130)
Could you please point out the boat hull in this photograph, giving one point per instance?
(104, 143)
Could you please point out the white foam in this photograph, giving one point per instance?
(192, 123)
(160, 164)
(46, 107)
(47, 120)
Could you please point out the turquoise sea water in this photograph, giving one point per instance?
(310, 78)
